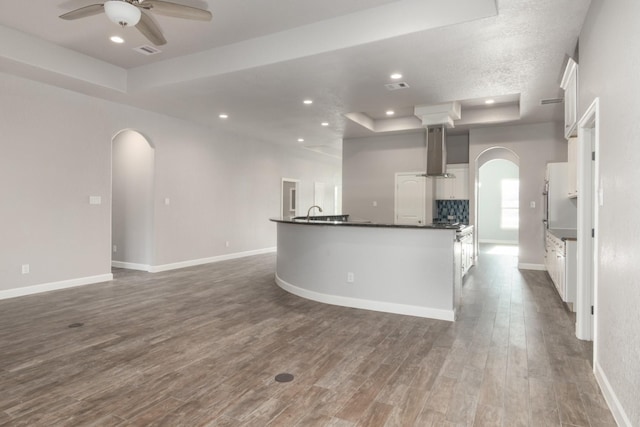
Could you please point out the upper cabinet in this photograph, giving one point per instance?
(454, 188)
(572, 167)
(570, 86)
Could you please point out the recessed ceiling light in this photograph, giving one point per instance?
(307, 101)
(490, 101)
(396, 76)
(325, 123)
(117, 39)
(390, 112)
(224, 116)
(300, 139)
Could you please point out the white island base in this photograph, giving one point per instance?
(411, 271)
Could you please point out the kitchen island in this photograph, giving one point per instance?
(406, 269)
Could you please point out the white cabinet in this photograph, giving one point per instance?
(454, 188)
(570, 85)
(554, 261)
(560, 260)
(466, 242)
(572, 167)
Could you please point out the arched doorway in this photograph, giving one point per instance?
(497, 201)
(132, 198)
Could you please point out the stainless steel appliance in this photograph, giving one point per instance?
(560, 212)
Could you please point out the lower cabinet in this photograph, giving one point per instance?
(560, 260)
(466, 247)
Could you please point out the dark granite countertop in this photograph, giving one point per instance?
(564, 233)
(364, 223)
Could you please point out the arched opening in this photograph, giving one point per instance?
(497, 200)
(132, 198)
(498, 207)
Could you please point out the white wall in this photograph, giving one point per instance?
(609, 69)
(490, 201)
(369, 166)
(56, 152)
(535, 145)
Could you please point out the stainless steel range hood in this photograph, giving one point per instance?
(437, 152)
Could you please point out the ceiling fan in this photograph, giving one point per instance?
(129, 13)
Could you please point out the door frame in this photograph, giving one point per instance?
(589, 201)
(395, 195)
(297, 198)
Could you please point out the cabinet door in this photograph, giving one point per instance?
(454, 188)
(570, 86)
(443, 190)
(461, 184)
(572, 167)
(561, 276)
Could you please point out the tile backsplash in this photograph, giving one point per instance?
(457, 208)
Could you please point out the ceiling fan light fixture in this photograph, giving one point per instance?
(122, 13)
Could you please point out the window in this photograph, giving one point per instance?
(510, 200)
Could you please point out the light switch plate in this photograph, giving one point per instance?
(95, 200)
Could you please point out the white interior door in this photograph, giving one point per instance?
(410, 199)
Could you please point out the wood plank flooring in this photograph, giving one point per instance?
(201, 347)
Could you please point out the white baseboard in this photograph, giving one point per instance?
(610, 396)
(386, 307)
(191, 263)
(53, 286)
(130, 265)
(525, 266)
(498, 242)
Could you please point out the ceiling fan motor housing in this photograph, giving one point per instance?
(122, 13)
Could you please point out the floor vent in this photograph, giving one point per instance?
(284, 378)
(147, 50)
(551, 101)
(396, 86)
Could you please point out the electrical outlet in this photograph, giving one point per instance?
(350, 277)
(226, 243)
(25, 269)
(532, 204)
(115, 248)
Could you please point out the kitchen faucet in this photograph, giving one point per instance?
(309, 211)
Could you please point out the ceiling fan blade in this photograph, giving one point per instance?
(176, 10)
(150, 30)
(83, 12)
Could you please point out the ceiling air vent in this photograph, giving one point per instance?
(396, 86)
(147, 50)
(551, 101)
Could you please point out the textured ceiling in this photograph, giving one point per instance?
(257, 61)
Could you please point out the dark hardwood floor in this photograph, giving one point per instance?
(201, 346)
